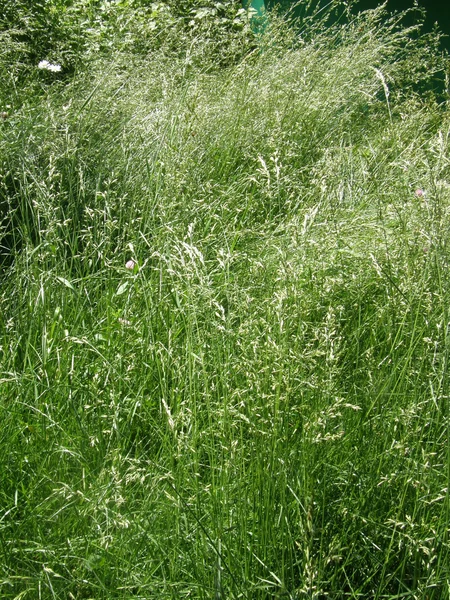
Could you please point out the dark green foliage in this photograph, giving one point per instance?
(69, 31)
(43, 29)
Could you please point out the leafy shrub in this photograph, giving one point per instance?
(71, 31)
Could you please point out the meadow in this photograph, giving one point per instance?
(224, 294)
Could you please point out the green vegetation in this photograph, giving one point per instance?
(224, 292)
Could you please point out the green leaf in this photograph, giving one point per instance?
(66, 283)
(122, 288)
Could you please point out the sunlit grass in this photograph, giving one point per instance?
(224, 326)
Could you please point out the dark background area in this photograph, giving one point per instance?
(436, 11)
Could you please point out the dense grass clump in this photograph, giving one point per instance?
(224, 326)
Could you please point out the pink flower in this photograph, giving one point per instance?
(419, 193)
(130, 264)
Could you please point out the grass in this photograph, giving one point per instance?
(259, 407)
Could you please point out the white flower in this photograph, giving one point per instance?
(44, 64)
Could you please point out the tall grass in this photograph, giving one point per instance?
(224, 324)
